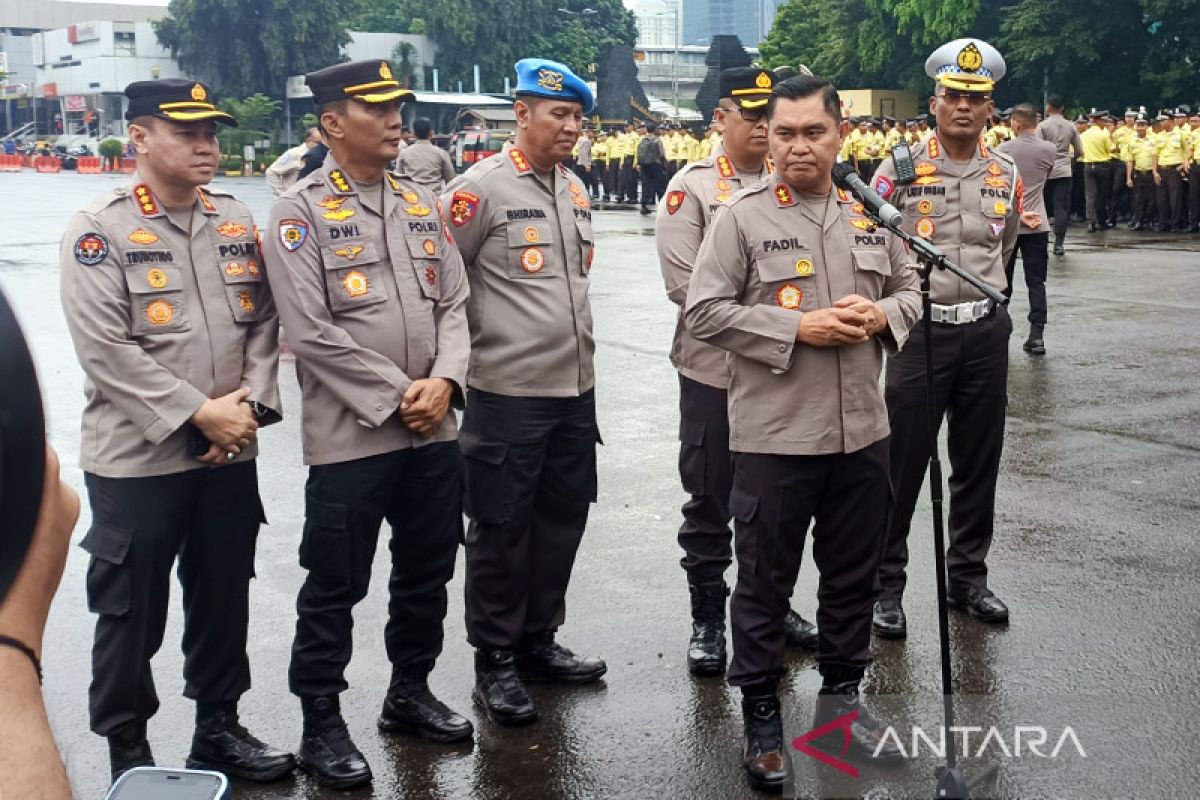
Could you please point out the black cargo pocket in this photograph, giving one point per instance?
(691, 456)
(109, 577)
(485, 498)
(326, 549)
(743, 507)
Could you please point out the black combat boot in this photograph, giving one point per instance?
(706, 648)
(888, 620)
(500, 691)
(543, 660)
(839, 697)
(326, 751)
(411, 708)
(128, 748)
(799, 632)
(1035, 344)
(765, 755)
(221, 744)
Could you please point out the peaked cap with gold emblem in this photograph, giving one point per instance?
(175, 99)
(748, 87)
(968, 65)
(369, 81)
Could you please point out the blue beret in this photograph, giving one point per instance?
(539, 77)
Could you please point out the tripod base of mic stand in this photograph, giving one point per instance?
(952, 784)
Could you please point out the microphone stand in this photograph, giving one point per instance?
(952, 784)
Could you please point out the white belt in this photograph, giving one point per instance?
(962, 313)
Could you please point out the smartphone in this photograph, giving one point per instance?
(157, 783)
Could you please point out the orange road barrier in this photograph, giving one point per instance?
(47, 163)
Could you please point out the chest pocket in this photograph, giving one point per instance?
(241, 270)
(353, 275)
(156, 300)
(531, 249)
(788, 280)
(930, 206)
(426, 261)
(872, 267)
(994, 208)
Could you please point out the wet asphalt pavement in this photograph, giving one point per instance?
(1097, 552)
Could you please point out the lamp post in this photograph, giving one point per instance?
(676, 35)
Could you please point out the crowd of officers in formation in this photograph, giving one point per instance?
(403, 298)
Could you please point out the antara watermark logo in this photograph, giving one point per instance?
(973, 741)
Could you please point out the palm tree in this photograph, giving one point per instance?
(404, 58)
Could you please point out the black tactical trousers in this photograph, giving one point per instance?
(208, 520)
(1033, 249)
(530, 482)
(1097, 181)
(1058, 202)
(706, 471)
(1144, 209)
(970, 373)
(848, 497)
(1170, 197)
(419, 492)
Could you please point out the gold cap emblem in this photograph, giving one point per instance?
(969, 58)
(550, 79)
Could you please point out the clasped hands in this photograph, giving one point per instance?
(851, 320)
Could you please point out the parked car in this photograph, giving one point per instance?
(469, 147)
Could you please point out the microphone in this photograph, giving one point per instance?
(844, 177)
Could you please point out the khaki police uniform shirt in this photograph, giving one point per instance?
(372, 297)
(971, 212)
(693, 196)
(767, 260)
(528, 248)
(1034, 158)
(1067, 144)
(163, 318)
(425, 163)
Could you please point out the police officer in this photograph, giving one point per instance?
(1169, 157)
(966, 200)
(285, 170)
(524, 225)
(172, 320)
(705, 467)
(1035, 159)
(806, 298)
(423, 162)
(1138, 155)
(373, 296)
(1097, 152)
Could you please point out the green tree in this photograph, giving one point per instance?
(247, 46)
(406, 63)
(496, 33)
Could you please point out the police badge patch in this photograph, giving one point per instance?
(292, 234)
(462, 207)
(884, 186)
(90, 249)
